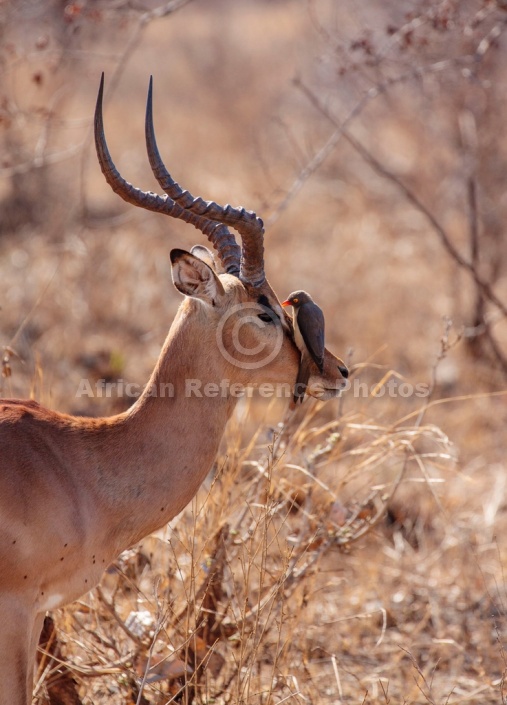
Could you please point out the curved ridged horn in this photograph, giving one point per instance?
(247, 224)
(216, 232)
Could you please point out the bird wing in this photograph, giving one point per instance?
(311, 327)
(301, 380)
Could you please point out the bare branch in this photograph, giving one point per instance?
(412, 198)
(319, 158)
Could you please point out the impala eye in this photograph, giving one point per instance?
(265, 317)
(267, 314)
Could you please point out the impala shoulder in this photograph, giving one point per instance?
(18, 408)
(16, 411)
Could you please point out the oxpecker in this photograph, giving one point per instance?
(308, 322)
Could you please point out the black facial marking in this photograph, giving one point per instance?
(269, 316)
(264, 301)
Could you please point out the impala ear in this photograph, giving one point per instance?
(204, 254)
(193, 277)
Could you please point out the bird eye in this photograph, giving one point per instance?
(296, 301)
(265, 317)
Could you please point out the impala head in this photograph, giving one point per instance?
(228, 299)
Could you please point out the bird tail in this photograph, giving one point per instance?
(301, 381)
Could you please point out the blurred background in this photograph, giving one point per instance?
(368, 135)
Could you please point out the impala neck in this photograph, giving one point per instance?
(176, 428)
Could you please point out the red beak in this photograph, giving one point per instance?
(286, 303)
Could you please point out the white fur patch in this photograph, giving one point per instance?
(51, 602)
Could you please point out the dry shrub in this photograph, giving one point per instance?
(284, 581)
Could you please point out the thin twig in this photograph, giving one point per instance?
(411, 197)
(473, 221)
(109, 607)
(480, 322)
(319, 158)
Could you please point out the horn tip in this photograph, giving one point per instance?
(98, 106)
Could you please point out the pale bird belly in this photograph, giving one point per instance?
(298, 339)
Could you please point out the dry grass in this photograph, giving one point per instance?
(359, 556)
(283, 581)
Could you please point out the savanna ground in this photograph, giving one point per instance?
(357, 557)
